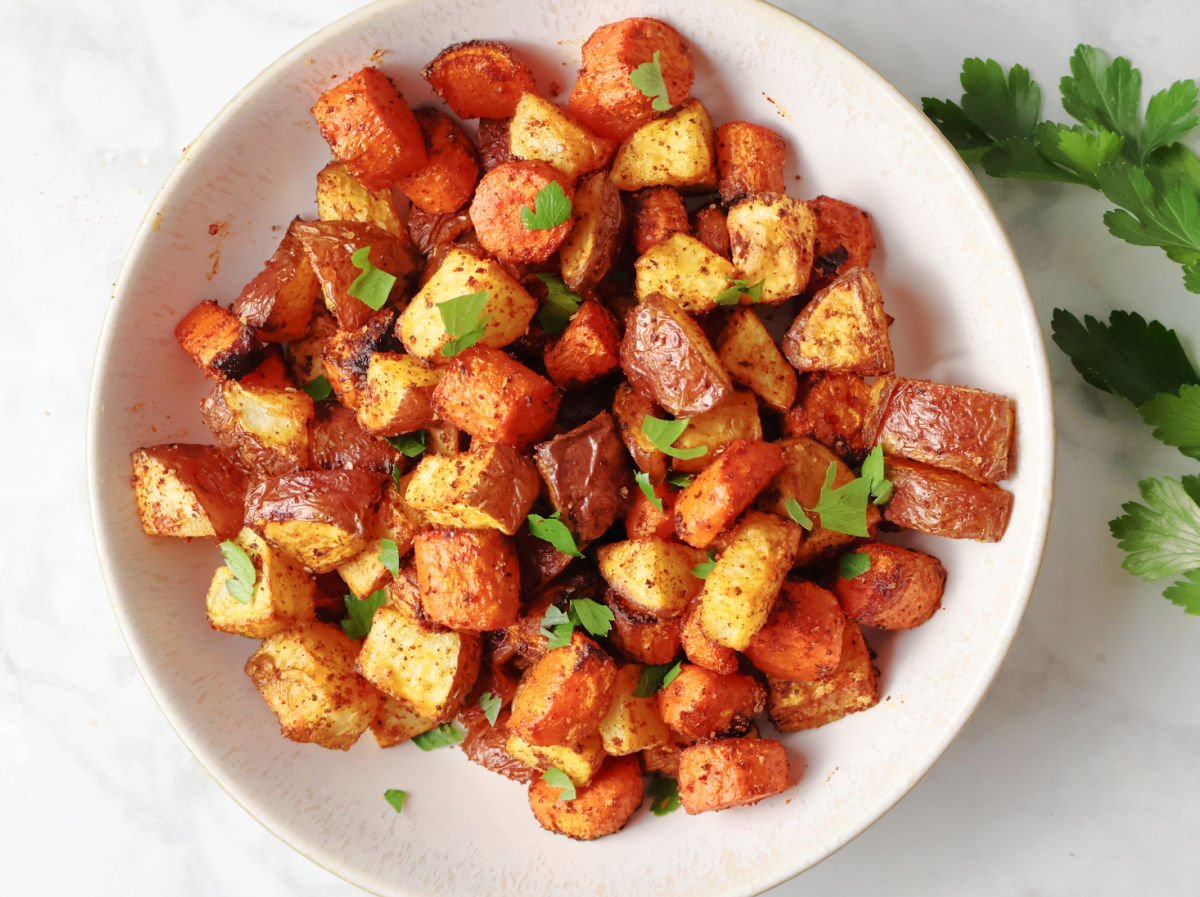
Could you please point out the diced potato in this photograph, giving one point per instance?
(428, 669)
(398, 397)
(640, 635)
(496, 211)
(654, 575)
(600, 808)
(218, 341)
(283, 593)
(945, 503)
(347, 356)
(395, 723)
(771, 240)
(588, 252)
(443, 438)
(447, 180)
(496, 399)
(901, 589)
(337, 441)
(486, 745)
(699, 648)
(739, 593)
(492, 140)
(646, 520)
(956, 427)
(263, 430)
(724, 489)
(306, 676)
(630, 409)
(431, 232)
(272, 372)
(305, 355)
(699, 703)
(278, 302)
(397, 520)
(540, 131)
(564, 695)
(734, 772)
(711, 228)
(319, 517)
(677, 150)
(852, 687)
(749, 160)
(469, 579)
(509, 308)
(654, 215)
(587, 476)
(753, 360)
(844, 240)
(734, 419)
(187, 491)
(587, 349)
(479, 78)
(843, 329)
(369, 127)
(580, 760)
(685, 271)
(491, 486)
(837, 410)
(802, 638)
(342, 197)
(632, 724)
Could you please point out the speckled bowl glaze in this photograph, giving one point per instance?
(962, 315)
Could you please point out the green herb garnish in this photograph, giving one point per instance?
(663, 433)
(464, 321)
(664, 795)
(373, 286)
(396, 798)
(853, 564)
(318, 387)
(490, 704)
(360, 613)
(556, 778)
(643, 480)
(241, 585)
(445, 735)
(551, 529)
(389, 556)
(560, 304)
(704, 568)
(655, 677)
(738, 288)
(410, 445)
(550, 208)
(648, 78)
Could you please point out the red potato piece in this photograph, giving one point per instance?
(217, 340)
(837, 410)
(188, 491)
(944, 503)
(338, 441)
(447, 181)
(602, 807)
(370, 127)
(587, 474)
(724, 489)
(711, 229)
(495, 147)
(901, 589)
(479, 78)
(844, 240)
(496, 399)
(496, 212)
(272, 372)
(802, 638)
(278, 302)
(484, 744)
(734, 772)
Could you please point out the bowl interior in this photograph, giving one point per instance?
(962, 315)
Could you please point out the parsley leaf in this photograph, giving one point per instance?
(656, 676)
(318, 387)
(664, 795)
(853, 564)
(1103, 93)
(397, 476)
(557, 626)
(360, 613)
(797, 513)
(410, 445)
(490, 704)
(872, 471)
(593, 616)
(373, 286)
(396, 798)
(1161, 537)
(556, 778)
(445, 735)
(843, 510)
(550, 208)
(464, 321)
(648, 78)
(1176, 419)
(241, 585)
(1186, 592)
(389, 556)
(1000, 107)
(551, 529)
(680, 480)
(1170, 114)
(738, 288)
(560, 304)
(702, 569)
(643, 481)
(663, 433)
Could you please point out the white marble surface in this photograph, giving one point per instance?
(1078, 775)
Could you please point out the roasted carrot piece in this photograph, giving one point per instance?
(844, 240)
(601, 807)
(469, 579)
(802, 638)
(496, 399)
(479, 78)
(447, 181)
(271, 373)
(711, 229)
(749, 160)
(218, 341)
(641, 635)
(563, 696)
(645, 520)
(724, 489)
(700, 649)
(496, 211)
(587, 349)
(901, 589)
(699, 703)
(654, 214)
(717, 775)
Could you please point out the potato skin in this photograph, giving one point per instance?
(447, 180)
(844, 240)
(496, 399)
(853, 686)
(724, 489)
(710, 227)
(263, 430)
(493, 143)
(587, 349)
(587, 475)
(337, 441)
(469, 579)
(700, 703)
(563, 696)
(836, 410)
(485, 744)
(496, 211)
(734, 772)
(943, 503)
(479, 78)
(278, 301)
(802, 638)
(902, 589)
(347, 355)
(630, 408)
(598, 222)
(186, 491)
(844, 329)
(749, 160)
(600, 808)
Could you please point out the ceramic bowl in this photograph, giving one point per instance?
(962, 315)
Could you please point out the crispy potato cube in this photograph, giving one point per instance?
(218, 341)
(677, 150)
(588, 252)
(771, 240)
(640, 635)
(540, 131)
(735, 772)
(749, 160)
(630, 408)
(587, 475)
(337, 441)
(685, 271)
(711, 228)
(469, 578)
(944, 503)
(306, 676)
(428, 669)
(278, 302)
(836, 410)
(604, 98)
(645, 520)
(491, 486)
(365, 573)
(667, 358)
(447, 180)
(263, 430)
(901, 589)
(370, 128)
(509, 308)
(843, 329)
(654, 575)
(699, 648)
(853, 686)
(305, 355)
(734, 419)
(492, 141)
(956, 427)
(844, 240)
(272, 372)
(479, 78)
(563, 696)
(398, 397)
(724, 489)
(632, 724)
(319, 517)
(496, 211)
(486, 745)
(655, 214)
(187, 491)
(395, 723)
(347, 356)
(753, 360)
(283, 593)
(802, 638)
(738, 594)
(600, 808)
(699, 703)
(587, 349)
(342, 197)
(580, 760)
(496, 399)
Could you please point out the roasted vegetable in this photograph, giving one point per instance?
(218, 341)
(587, 475)
(496, 211)
(588, 252)
(843, 329)
(753, 360)
(717, 775)
(264, 430)
(496, 399)
(489, 486)
(187, 491)
(699, 703)
(562, 697)
(282, 595)
(724, 489)
(853, 686)
(445, 183)
(278, 302)
(901, 588)
(944, 503)
(677, 150)
(771, 242)
(749, 160)
(539, 131)
(802, 638)
(479, 78)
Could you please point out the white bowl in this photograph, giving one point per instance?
(962, 315)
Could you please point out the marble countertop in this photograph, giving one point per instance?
(1077, 776)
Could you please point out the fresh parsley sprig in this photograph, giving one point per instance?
(560, 304)
(648, 78)
(551, 529)
(738, 288)
(556, 778)
(656, 677)
(241, 584)
(319, 388)
(410, 445)
(396, 798)
(557, 624)
(389, 556)
(551, 207)
(464, 321)
(490, 704)
(445, 735)
(373, 285)
(704, 568)
(664, 433)
(844, 509)
(361, 612)
(643, 480)
(664, 795)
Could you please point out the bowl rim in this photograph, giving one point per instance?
(780, 18)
